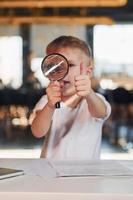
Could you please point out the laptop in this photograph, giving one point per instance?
(8, 172)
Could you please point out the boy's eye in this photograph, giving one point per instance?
(71, 65)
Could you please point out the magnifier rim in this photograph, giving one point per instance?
(58, 54)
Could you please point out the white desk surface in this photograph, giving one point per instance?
(41, 183)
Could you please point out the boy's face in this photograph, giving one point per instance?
(75, 57)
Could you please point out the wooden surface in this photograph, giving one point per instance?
(56, 20)
(61, 3)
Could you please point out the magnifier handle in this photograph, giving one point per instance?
(57, 105)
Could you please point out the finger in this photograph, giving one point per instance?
(81, 80)
(81, 88)
(56, 83)
(83, 69)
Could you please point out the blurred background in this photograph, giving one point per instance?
(26, 27)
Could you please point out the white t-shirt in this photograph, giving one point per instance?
(74, 133)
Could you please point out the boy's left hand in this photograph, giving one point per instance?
(83, 81)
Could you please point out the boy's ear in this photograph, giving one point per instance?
(90, 69)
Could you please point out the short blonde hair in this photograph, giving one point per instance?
(68, 41)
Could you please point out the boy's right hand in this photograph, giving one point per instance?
(53, 92)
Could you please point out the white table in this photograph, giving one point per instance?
(40, 183)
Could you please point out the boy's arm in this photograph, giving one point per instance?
(43, 118)
(96, 105)
(42, 121)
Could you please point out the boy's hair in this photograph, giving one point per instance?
(68, 41)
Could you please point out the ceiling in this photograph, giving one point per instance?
(99, 13)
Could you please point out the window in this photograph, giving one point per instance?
(11, 61)
(113, 50)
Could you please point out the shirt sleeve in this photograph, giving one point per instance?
(108, 107)
(40, 104)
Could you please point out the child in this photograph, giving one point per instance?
(74, 130)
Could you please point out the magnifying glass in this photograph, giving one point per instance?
(55, 67)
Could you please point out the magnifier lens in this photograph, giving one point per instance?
(55, 67)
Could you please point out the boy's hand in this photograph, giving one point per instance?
(83, 82)
(53, 93)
